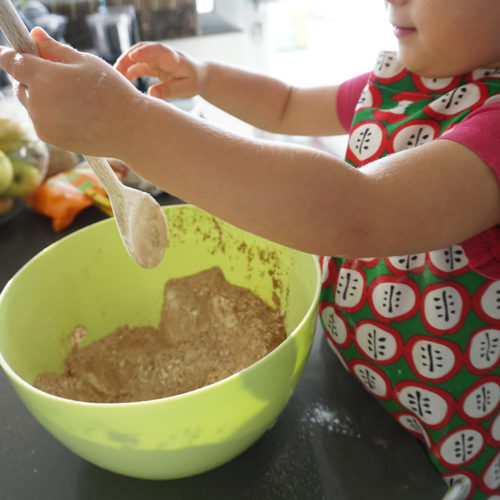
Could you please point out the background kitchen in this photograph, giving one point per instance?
(300, 42)
(293, 40)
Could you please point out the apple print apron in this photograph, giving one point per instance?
(422, 332)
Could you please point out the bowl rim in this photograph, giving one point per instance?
(70, 402)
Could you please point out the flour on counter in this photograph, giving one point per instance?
(330, 420)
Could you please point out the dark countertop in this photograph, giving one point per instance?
(332, 441)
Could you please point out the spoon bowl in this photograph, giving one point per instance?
(147, 231)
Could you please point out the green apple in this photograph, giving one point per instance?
(26, 179)
(6, 171)
(12, 135)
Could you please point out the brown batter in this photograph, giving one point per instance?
(209, 330)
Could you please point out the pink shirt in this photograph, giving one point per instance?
(479, 131)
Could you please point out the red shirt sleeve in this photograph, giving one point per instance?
(479, 131)
(348, 96)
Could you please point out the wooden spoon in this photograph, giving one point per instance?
(139, 218)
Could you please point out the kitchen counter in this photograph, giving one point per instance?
(332, 441)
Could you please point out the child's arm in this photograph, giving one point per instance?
(262, 101)
(421, 199)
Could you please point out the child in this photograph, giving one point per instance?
(410, 300)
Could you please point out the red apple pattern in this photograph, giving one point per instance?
(421, 332)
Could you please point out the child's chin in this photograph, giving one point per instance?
(428, 66)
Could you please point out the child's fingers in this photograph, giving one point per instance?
(124, 62)
(160, 90)
(155, 54)
(173, 88)
(140, 69)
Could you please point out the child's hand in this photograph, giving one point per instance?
(180, 75)
(75, 100)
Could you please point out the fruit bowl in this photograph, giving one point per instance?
(88, 279)
(23, 157)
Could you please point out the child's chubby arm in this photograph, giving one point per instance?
(260, 100)
(420, 199)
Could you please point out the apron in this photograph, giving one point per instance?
(422, 332)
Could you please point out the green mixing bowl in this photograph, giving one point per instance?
(88, 278)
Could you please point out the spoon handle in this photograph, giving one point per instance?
(108, 178)
(14, 29)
